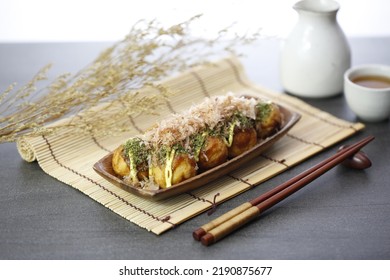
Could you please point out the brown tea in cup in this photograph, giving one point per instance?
(367, 91)
(372, 81)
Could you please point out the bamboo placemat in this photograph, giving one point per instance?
(70, 158)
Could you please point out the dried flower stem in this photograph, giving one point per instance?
(147, 55)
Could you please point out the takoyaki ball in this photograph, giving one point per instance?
(269, 120)
(136, 156)
(119, 163)
(158, 172)
(183, 168)
(243, 140)
(214, 152)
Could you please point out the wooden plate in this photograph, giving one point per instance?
(104, 168)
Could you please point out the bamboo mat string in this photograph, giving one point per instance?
(70, 157)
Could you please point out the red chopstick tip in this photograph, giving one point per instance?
(207, 239)
(198, 233)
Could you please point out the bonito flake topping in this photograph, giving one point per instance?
(207, 114)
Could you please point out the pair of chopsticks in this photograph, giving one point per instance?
(234, 219)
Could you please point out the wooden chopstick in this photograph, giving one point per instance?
(198, 233)
(232, 220)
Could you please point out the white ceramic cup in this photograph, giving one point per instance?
(368, 103)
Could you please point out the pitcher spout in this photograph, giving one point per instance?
(317, 6)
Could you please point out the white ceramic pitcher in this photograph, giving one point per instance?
(316, 54)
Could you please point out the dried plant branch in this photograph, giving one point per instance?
(147, 55)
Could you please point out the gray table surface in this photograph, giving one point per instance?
(342, 215)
